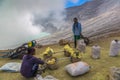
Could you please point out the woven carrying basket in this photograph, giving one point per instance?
(52, 66)
(67, 54)
(75, 59)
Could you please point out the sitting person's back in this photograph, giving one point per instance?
(30, 63)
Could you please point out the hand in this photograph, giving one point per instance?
(39, 58)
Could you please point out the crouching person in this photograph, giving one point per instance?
(30, 64)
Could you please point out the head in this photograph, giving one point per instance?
(34, 41)
(31, 51)
(75, 19)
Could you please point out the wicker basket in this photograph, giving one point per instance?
(75, 59)
(52, 66)
(67, 54)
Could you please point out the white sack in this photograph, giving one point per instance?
(96, 52)
(114, 48)
(48, 77)
(81, 46)
(77, 68)
(11, 67)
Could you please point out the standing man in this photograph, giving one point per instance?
(76, 31)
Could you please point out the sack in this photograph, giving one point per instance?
(48, 77)
(114, 48)
(96, 52)
(78, 68)
(81, 46)
(11, 67)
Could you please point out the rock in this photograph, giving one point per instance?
(39, 46)
(63, 42)
(114, 73)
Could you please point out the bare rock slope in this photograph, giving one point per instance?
(98, 18)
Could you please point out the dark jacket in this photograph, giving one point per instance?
(27, 65)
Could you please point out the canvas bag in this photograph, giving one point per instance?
(96, 52)
(81, 46)
(114, 48)
(11, 67)
(78, 68)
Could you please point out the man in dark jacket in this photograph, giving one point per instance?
(76, 31)
(30, 64)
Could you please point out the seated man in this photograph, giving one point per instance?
(30, 63)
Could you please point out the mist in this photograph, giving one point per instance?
(25, 20)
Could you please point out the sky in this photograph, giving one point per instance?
(71, 3)
(25, 20)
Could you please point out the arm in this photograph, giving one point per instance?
(38, 61)
(73, 28)
(79, 26)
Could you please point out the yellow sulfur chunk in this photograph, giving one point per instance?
(48, 50)
(76, 56)
(52, 61)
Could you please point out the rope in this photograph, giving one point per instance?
(63, 58)
(59, 52)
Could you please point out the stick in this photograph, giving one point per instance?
(59, 51)
(63, 58)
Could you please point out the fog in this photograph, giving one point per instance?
(25, 20)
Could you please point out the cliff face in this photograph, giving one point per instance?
(92, 9)
(84, 12)
(98, 17)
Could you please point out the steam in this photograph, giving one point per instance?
(21, 20)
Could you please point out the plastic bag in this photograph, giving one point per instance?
(78, 68)
(114, 48)
(11, 67)
(48, 77)
(96, 52)
(81, 46)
